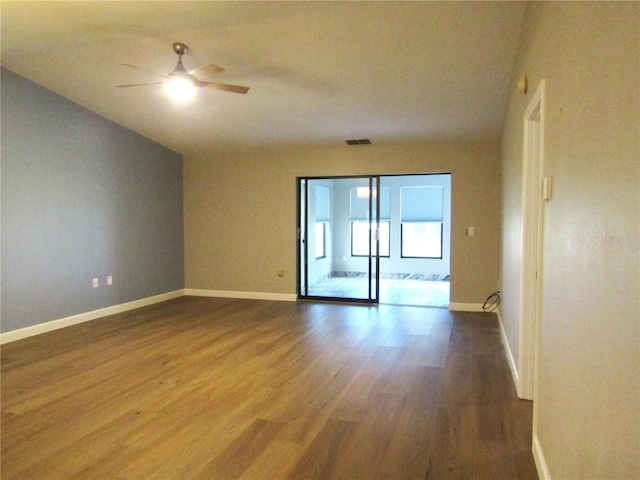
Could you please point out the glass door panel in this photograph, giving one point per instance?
(338, 242)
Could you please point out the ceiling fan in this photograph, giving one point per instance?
(179, 77)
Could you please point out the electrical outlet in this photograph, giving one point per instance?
(109, 280)
(281, 272)
(96, 283)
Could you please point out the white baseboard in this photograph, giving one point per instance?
(26, 332)
(538, 457)
(513, 366)
(465, 307)
(283, 297)
(52, 325)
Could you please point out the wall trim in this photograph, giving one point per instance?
(52, 325)
(465, 307)
(513, 365)
(538, 457)
(284, 297)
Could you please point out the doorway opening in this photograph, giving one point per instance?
(375, 239)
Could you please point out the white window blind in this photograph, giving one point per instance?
(421, 204)
(322, 203)
(360, 204)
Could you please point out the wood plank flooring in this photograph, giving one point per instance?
(209, 388)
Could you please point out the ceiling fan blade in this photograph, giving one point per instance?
(140, 84)
(206, 71)
(144, 70)
(226, 87)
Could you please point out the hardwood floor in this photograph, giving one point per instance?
(208, 388)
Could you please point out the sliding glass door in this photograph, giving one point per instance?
(339, 241)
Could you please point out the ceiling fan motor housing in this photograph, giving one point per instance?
(180, 48)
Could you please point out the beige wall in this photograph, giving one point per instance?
(240, 211)
(587, 414)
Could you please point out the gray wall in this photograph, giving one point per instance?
(82, 198)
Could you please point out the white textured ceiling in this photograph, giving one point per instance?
(319, 72)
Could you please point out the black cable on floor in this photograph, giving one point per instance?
(492, 302)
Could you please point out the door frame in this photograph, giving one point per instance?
(396, 260)
(531, 247)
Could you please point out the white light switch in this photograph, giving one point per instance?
(470, 231)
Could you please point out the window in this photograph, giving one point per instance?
(421, 240)
(321, 240)
(363, 244)
(360, 239)
(421, 219)
(322, 220)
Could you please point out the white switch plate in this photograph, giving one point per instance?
(546, 188)
(470, 231)
(109, 280)
(96, 283)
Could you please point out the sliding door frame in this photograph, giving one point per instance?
(302, 254)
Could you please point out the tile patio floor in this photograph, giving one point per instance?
(395, 292)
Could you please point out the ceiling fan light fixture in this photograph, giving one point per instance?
(181, 88)
(181, 84)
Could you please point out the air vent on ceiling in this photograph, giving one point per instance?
(362, 141)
